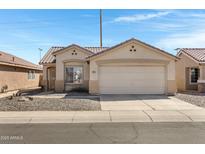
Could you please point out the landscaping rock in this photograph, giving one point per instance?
(48, 104)
(24, 99)
(10, 97)
(193, 98)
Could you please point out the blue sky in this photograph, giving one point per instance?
(24, 31)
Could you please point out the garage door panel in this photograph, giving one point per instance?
(132, 91)
(132, 80)
(140, 70)
(131, 69)
(133, 87)
(142, 76)
(131, 83)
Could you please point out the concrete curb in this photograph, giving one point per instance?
(7, 94)
(101, 116)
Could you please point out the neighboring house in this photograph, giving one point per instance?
(16, 73)
(131, 67)
(190, 69)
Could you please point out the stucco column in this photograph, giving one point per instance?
(59, 83)
(93, 82)
(201, 81)
(45, 77)
(202, 71)
(171, 78)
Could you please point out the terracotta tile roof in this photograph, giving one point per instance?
(49, 58)
(196, 53)
(96, 49)
(133, 39)
(11, 60)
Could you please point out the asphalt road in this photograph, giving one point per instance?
(103, 133)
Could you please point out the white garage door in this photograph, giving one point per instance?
(132, 80)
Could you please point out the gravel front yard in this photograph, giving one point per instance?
(193, 98)
(48, 104)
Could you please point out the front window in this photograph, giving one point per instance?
(74, 74)
(194, 75)
(31, 75)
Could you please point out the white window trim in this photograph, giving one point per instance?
(201, 81)
(73, 66)
(31, 77)
(192, 83)
(28, 75)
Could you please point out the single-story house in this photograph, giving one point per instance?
(190, 69)
(131, 67)
(17, 73)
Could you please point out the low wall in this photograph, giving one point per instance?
(17, 78)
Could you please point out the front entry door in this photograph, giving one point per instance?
(52, 78)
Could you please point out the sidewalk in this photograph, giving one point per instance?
(102, 116)
(14, 92)
(7, 94)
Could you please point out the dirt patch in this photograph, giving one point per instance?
(22, 103)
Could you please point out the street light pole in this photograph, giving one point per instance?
(40, 52)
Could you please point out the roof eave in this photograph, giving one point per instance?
(70, 46)
(133, 39)
(46, 63)
(21, 66)
(182, 51)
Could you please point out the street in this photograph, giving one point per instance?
(96, 133)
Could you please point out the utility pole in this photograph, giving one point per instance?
(100, 28)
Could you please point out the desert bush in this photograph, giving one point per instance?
(4, 88)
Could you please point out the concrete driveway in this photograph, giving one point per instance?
(144, 102)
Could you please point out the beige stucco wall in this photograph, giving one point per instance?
(59, 85)
(171, 87)
(142, 56)
(66, 58)
(181, 65)
(45, 67)
(202, 72)
(17, 78)
(45, 72)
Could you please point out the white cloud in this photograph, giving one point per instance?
(184, 40)
(88, 15)
(167, 26)
(140, 17)
(199, 15)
